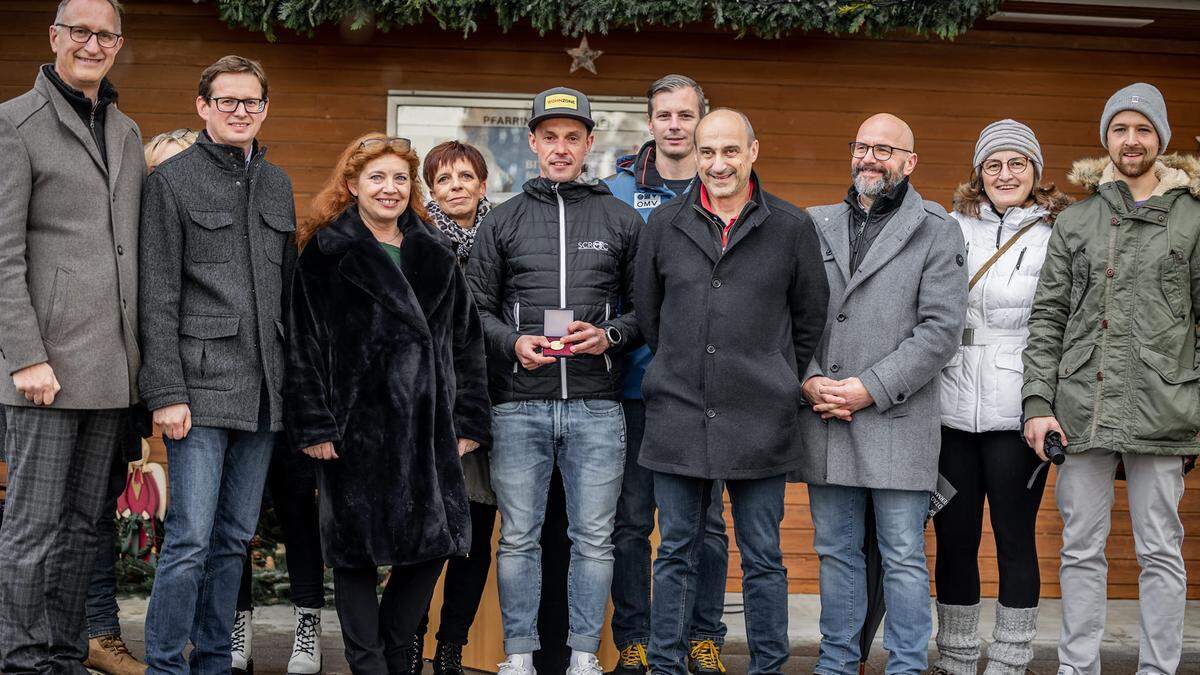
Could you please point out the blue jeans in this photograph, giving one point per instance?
(683, 506)
(587, 439)
(838, 515)
(631, 551)
(216, 478)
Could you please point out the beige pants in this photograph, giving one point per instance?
(1085, 497)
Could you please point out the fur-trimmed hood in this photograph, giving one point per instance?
(968, 199)
(1173, 171)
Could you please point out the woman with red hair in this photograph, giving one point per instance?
(386, 385)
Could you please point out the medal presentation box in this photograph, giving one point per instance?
(554, 327)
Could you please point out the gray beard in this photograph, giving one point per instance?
(872, 189)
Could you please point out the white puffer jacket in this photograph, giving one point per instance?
(981, 386)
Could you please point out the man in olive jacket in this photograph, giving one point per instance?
(69, 193)
(898, 302)
(731, 298)
(1111, 366)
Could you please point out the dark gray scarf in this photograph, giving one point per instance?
(463, 239)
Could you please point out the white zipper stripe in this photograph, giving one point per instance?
(607, 314)
(562, 276)
(516, 327)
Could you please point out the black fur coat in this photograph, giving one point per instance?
(389, 366)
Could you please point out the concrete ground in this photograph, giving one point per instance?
(273, 637)
(274, 626)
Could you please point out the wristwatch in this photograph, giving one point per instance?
(613, 335)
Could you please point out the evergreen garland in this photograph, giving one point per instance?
(764, 18)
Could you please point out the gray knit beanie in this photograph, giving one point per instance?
(1140, 97)
(1008, 135)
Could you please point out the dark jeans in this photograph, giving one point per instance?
(553, 613)
(631, 542)
(757, 506)
(101, 605)
(996, 465)
(292, 486)
(376, 631)
(465, 579)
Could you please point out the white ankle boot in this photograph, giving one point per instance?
(306, 647)
(241, 641)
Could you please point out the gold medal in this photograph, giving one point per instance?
(556, 345)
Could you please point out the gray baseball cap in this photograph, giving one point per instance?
(561, 102)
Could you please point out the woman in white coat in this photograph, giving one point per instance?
(1006, 218)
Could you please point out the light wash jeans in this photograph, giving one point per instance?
(838, 515)
(587, 439)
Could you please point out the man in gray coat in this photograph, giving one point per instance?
(69, 192)
(217, 240)
(897, 303)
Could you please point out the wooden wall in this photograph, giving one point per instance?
(806, 96)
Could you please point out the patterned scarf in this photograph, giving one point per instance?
(463, 239)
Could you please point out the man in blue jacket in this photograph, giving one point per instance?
(664, 168)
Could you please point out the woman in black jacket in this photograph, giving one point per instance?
(386, 385)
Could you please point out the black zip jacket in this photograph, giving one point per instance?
(555, 245)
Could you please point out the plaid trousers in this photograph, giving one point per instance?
(58, 463)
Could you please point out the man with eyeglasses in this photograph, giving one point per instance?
(897, 304)
(217, 244)
(73, 172)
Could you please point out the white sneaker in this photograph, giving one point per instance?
(516, 665)
(306, 648)
(241, 639)
(587, 665)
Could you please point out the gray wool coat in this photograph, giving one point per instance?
(894, 324)
(68, 250)
(218, 242)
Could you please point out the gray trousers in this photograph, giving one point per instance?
(58, 463)
(1085, 497)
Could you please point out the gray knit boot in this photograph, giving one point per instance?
(1012, 641)
(957, 639)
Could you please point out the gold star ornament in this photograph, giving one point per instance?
(584, 57)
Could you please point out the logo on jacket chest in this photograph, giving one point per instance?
(646, 200)
(593, 245)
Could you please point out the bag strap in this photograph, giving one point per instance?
(996, 256)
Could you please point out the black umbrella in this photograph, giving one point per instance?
(875, 604)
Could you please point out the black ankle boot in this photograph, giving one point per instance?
(448, 659)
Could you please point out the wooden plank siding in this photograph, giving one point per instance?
(805, 94)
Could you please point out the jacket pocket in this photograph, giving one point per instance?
(1166, 401)
(1080, 278)
(1074, 359)
(279, 227)
(1007, 382)
(1174, 276)
(211, 240)
(952, 382)
(58, 311)
(208, 348)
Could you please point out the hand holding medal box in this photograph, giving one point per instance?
(554, 327)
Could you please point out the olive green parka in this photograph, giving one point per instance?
(1112, 349)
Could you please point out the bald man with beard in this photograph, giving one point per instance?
(897, 304)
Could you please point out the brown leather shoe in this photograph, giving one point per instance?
(109, 654)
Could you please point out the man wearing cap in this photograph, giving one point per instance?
(1111, 366)
(552, 272)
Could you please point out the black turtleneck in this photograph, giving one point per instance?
(92, 114)
(865, 225)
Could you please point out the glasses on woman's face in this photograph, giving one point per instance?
(1016, 165)
(82, 35)
(397, 142)
(881, 152)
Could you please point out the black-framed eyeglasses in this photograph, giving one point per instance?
(82, 35)
(1016, 165)
(228, 104)
(398, 142)
(881, 152)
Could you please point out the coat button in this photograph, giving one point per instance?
(120, 250)
(841, 317)
(1104, 324)
(1115, 220)
(834, 368)
(711, 349)
(716, 283)
(1160, 219)
(1099, 376)
(1110, 273)
(710, 413)
(899, 398)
